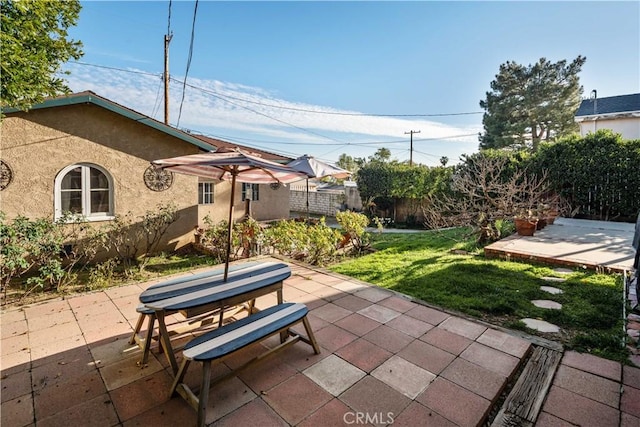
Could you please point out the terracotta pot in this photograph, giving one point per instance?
(525, 227)
(551, 220)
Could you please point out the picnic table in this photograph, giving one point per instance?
(207, 292)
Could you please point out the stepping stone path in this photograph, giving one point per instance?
(541, 325)
(545, 303)
(551, 290)
(554, 279)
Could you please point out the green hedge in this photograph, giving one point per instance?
(597, 175)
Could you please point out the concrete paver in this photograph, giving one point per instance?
(579, 410)
(404, 376)
(334, 374)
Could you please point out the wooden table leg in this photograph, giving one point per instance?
(283, 334)
(166, 341)
(203, 400)
(147, 341)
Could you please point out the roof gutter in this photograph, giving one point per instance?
(609, 116)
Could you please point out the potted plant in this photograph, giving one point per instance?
(551, 214)
(526, 222)
(549, 208)
(542, 217)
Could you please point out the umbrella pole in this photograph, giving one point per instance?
(230, 225)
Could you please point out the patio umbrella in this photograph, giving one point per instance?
(231, 165)
(314, 168)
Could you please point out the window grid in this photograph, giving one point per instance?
(205, 193)
(255, 191)
(84, 190)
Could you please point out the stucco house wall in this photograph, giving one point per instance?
(619, 113)
(272, 204)
(39, 144)
(628, 127)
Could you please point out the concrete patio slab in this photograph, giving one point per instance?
(574, 243)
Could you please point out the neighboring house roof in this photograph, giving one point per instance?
(218, 143)
(203, 142)
(609, 107)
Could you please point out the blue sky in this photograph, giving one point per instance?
(265, 74)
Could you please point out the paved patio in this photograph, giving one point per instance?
(573, 243)
(385, 360)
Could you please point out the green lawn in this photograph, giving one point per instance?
(424, 266)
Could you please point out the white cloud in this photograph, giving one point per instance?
(241, 111)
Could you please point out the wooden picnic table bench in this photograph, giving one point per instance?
(222, 342)
(206, 293)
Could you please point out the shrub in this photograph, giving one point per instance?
(488, 187)
(135, 239)
(354, 229)
(316, 244)
(322, 243)
(43, 252)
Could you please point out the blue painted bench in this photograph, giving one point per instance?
(222, 342)
(206, 293)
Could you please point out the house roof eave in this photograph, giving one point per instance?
(610, 116)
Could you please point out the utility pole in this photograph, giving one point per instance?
(411, 148)
(167, 39)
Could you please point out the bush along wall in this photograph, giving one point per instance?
(597, 175)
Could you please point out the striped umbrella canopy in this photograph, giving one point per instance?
(231, 165)
(314, 168)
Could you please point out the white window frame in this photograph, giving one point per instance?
(86, 193)
(255, 191)
(202, 191)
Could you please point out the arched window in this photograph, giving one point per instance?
(85, 190)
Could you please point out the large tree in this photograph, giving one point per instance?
(34, 43)
(529, 104)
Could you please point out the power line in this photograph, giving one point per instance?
(261, 114)
(144, 73)
(338, 143)
(212, 93)
(156, 104)
(264, 104)
(186, 73)
(337, 113)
